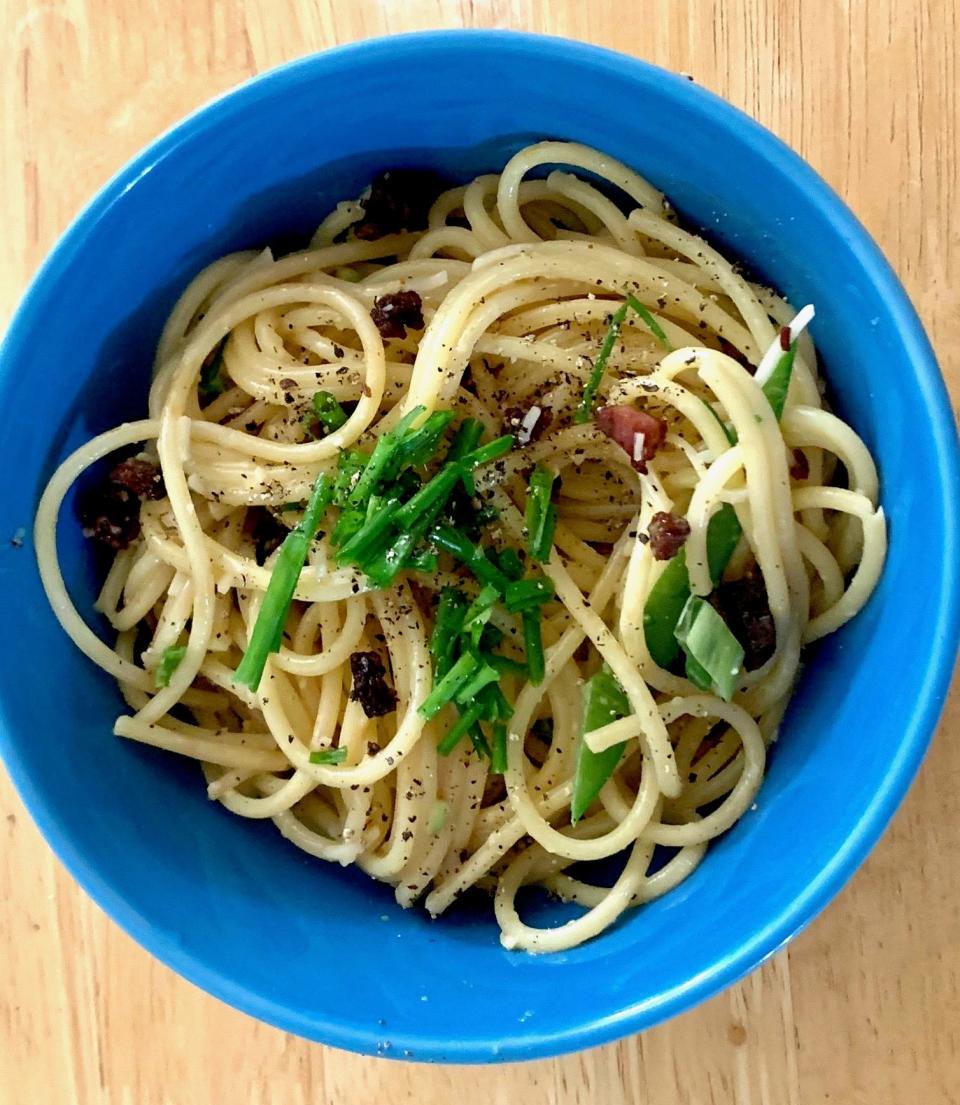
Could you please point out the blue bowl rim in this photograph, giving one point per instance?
(591, 1031)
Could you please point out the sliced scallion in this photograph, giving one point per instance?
(328, 756)
(651, 323)
(169, 663)
(706, 639)
(604, 702)
(585, 409)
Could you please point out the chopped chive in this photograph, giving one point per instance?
(350, 464)
(452, 541)
(369, 539)
(459, 729)
(422, 561)
(169, 663)
(504, 664)
(652, 325)
(495, 701)
(541, 514)
(482, 678)
(510, 564)
(533, 646)
(524, 594)
(604, 702)
(488, 452)
(708, 642)
(329, 413)
(777, 386)
(479, 741)
(498, 752)
(447, 687)
(268, 628)
(479, 613)
(449, 621)
(328, 756)
(419, 446)
(730, 432)
(381, 458)
(466, 439)
(213, 380)
(433, 494)
(585, 409)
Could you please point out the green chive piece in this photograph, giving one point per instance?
(422, 561)
(498, 753)
(433, 494)
(777, 386)
(447, 687)
(446, 629)
(479, 741)
(459, 729)
(419, 446)
(169, 663)
(381, 458)
(328, 756)
(369, 539)
(585, 409)
(488, 452)
(651, 323)
(669, 594)
(213, 378)
(731, 433)
(524, 594)
(541, 514)
(510, 564)
(268, 628)
(604, 702)
(329, 413)
(533, 646)
(452, 541)
(706, 639)
(478, 615)
(465, 440)
(476, 683)
(504, 664)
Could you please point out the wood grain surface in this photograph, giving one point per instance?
(864, 1008)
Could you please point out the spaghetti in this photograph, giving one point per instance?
(468, 543)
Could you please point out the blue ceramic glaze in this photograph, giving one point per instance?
(324, 952)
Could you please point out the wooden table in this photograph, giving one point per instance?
(864, 1008)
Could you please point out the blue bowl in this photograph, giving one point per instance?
(324, 952)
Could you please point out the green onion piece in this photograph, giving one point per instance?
(452, 541)
(669, 594)
(705, 638)
(350, 464)
(381, 458)
(697, 674)
(328, 756)
(604, 702)
(169, 663)
(329, 413)
(498, 753)
(433, 494)
(777, 386)
(652, 325)
(476, 683)
(465, 440)
(444, 690)
(495, 702)
(467, 719)
(585, 409)
(350, 522)
(446, 629)
(541, 515)
(479, 613)
(369, 539)
(533, 646)
(419, 447)
(510, 564)
(504, 664)
(213, 380)
(523, 594)
(268, 628)
(731, 433)
(479, 741)
(488, 452)
(422, 561)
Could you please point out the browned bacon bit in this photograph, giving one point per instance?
(141, 477)
(746, 610)
(668, 533)
(397, 312)
(399, 200)
(785, 338)
(800, 468)
(110, 514)
(370, 686)
(731, 351)
(623, 423)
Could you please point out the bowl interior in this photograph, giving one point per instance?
(323, 951)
